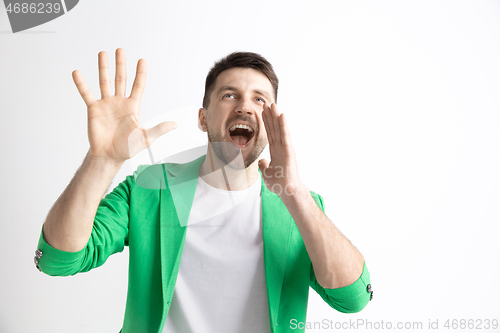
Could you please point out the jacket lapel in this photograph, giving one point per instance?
(182, 180)
(176, 201)
(276, 230)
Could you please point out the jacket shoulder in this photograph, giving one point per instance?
(319, 200)
(153, 176)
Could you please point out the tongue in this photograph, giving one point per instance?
(239, 139)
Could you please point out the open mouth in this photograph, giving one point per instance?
(241, 135)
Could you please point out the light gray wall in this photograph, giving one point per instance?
(393, 109)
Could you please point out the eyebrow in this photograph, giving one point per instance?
(232, 88)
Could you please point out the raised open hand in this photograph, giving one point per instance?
(113, 121)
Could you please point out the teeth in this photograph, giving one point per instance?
(241, 126)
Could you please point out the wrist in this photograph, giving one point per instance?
(294, 194)
(103, 164)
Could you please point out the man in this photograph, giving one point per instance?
(224, 243)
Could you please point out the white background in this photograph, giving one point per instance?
(394, 112)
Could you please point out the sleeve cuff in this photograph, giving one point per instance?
(354, 297)
(56, 262)
(353, 290)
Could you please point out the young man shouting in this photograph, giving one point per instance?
(224, 243)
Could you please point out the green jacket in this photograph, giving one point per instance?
(150, 215)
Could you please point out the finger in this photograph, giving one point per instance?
(121, 73)
(274, 115)
(104, 82)
(263, 164)
(160, 129)
(269, 124)
(139, 81)
(266, 125)
(285, 134)
(260, 120)
(83, 89)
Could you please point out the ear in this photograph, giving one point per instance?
(202, 120)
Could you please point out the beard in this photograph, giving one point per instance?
(227, 152)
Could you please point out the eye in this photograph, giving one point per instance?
(229, 95)
(260, 99)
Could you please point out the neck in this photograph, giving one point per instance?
(219, 175)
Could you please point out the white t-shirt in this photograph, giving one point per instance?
(221, 286)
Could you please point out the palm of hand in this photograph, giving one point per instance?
(281, 174)
(111, 122)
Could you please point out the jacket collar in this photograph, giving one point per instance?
(175, 207)
(276, 231)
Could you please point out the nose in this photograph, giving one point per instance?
(245, 107)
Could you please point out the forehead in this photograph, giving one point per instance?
(244, 79)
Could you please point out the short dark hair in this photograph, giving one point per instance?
(242, 60)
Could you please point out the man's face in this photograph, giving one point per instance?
(231, 116)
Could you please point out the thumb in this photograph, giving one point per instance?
(263, 164)
(154, 133)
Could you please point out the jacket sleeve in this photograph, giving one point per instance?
(348, 299)
(109, 235)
